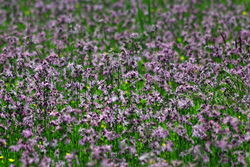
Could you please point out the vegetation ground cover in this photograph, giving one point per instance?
(124, 83)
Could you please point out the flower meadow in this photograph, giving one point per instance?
(120, 83)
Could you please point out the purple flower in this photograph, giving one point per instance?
(69, 157)
(15, 148)
(105, 163)
(176, 162)
(205, 159)
(234, 122)
(242, 159)
(27, 133)
(198, 131)
(222, 144)
(60, 163)
(3, 142)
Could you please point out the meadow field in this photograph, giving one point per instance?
(124, 83)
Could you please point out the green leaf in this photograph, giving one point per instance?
(143, 101)
(185, 96)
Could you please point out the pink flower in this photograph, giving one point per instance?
(222, 144)
(27, 133)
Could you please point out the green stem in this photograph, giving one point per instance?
(149, 12)
(140, 17)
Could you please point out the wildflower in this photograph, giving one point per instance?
(165, 160)
(38, 145)
(182, 57)
(195, 71)
(11, 160)
(239, 117)
(163, 144)
(27, 133)
(152, 162)
(176, 162)
(103, 126)
(126, 82)
(87, 87)
(144, 156)
(222, 144)
(73, 101)
(244, 13)
(34, 105)
(43, 110)
(67, 153)
(1, 157)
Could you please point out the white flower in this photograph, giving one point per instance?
(144, 156)
(114, 98)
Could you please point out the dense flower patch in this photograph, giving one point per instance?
(124, 83)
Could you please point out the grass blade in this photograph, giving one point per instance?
(149, 13)
(140, 17)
